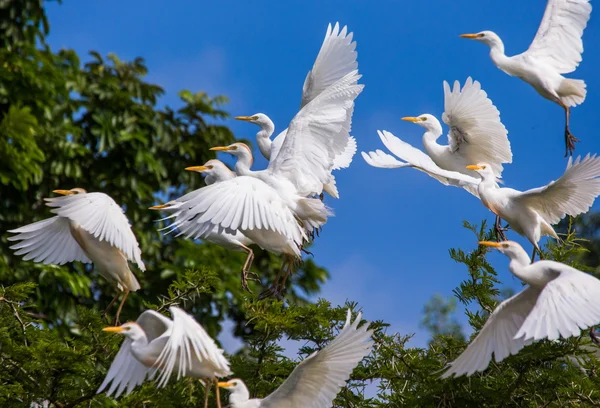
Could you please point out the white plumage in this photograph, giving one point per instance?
(315, 382)
(555, 50)
(89, 227)
(559, 302)
(157, 346)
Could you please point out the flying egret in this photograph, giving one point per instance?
(532, 213)
(155, 343)
(336, 58)
(215, 171)
(315, 381)
(475, 134)
(559, 301)
(90, 228)
(555, 50)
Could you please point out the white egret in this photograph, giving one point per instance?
(315, 381)
(215, 172)
(90, 228)
(532, 213)
(555, 50)
(154, 344)
(336, 59)
(476, 134)
(559, 302)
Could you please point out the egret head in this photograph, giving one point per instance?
(239, 150)
(131, 329)
(214, 168)
(487, 37)
(483, 169)
(509, 248)
(259, 119)
(429, 122)
(72, 191)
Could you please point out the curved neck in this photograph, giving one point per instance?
(498, 57)
(432, 148)
(263, 139)
(239, 397)
(243, 165)
(137, 349)
(518, 266)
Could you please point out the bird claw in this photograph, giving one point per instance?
(249, 276)
(307, 252)
(273, 291)
(570, 141)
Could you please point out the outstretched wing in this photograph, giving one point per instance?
(189, 344)
(476, 132)
(336, 59)
(572, 194)
(558, 39)
(316, 381)
(497, 335)
(316, 135)
(415, 158)
(567, 304)
(48, 241)
(98, 214)
(243, 203)
(343, 160)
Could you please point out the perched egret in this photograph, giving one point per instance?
(155, 343)
(475, 134)
(215, 172)
(555, 50)
(315, 381)
(532, 213)
(88, 227)
(336, 58)
(559, 301)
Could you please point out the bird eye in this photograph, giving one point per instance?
(481, 35)
(234, 147)
(483, 167)
(505, 245)
(209, 167)
(424, 119)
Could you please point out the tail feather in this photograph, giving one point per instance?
(572, 91)
(313, 212)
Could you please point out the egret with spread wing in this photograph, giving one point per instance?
(560, 301)
(532, 213)
(156, 345)
(88, 227)
(555, 50)
(315, 381)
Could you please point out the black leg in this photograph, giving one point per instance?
(500, 236)
(570, 140)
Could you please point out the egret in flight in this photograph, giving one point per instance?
(336, 59)
(475, 134)
(315, 381)
(89, 228)
(532, 213)
(559, 301)
(155, 345)
(215, 171)
(555, 50)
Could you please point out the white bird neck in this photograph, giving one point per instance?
(263, 138)
(499, 58)
(239, 398)
(139, 350)
(520, 266)
(243, 165)
(432, 147)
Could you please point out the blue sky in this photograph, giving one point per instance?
(387, 246)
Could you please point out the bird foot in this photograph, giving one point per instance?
(500, 235)
(570, 141)
(307, 252)
(249, 276)
(274, 291)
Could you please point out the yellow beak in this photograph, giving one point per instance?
(197, 168)
(490, 244)
(221, 148)
(246, 118)
(159, 207)
(473, 167)
(412, 119)
(224, 384)
(471, 36)
(63, 192)
(117, 329)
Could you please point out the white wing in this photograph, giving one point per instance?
(243, 203)
(316, 135)
(572, 194)
(315, 382)
(126, 372)
(98, 214)
(566, 305)
(343, 160)
(497, 335)
(414, 157)
(48, 241)
(558, 40)
(189, 344)
(336, 59)
(476, 132)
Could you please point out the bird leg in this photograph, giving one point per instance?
(112, 302)
(218, 394)
(539, 251)
(570, 140)
(275, 289)
(125, 294)
(500, 236)
(306, 252)
(246, 270)
(207, 384)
